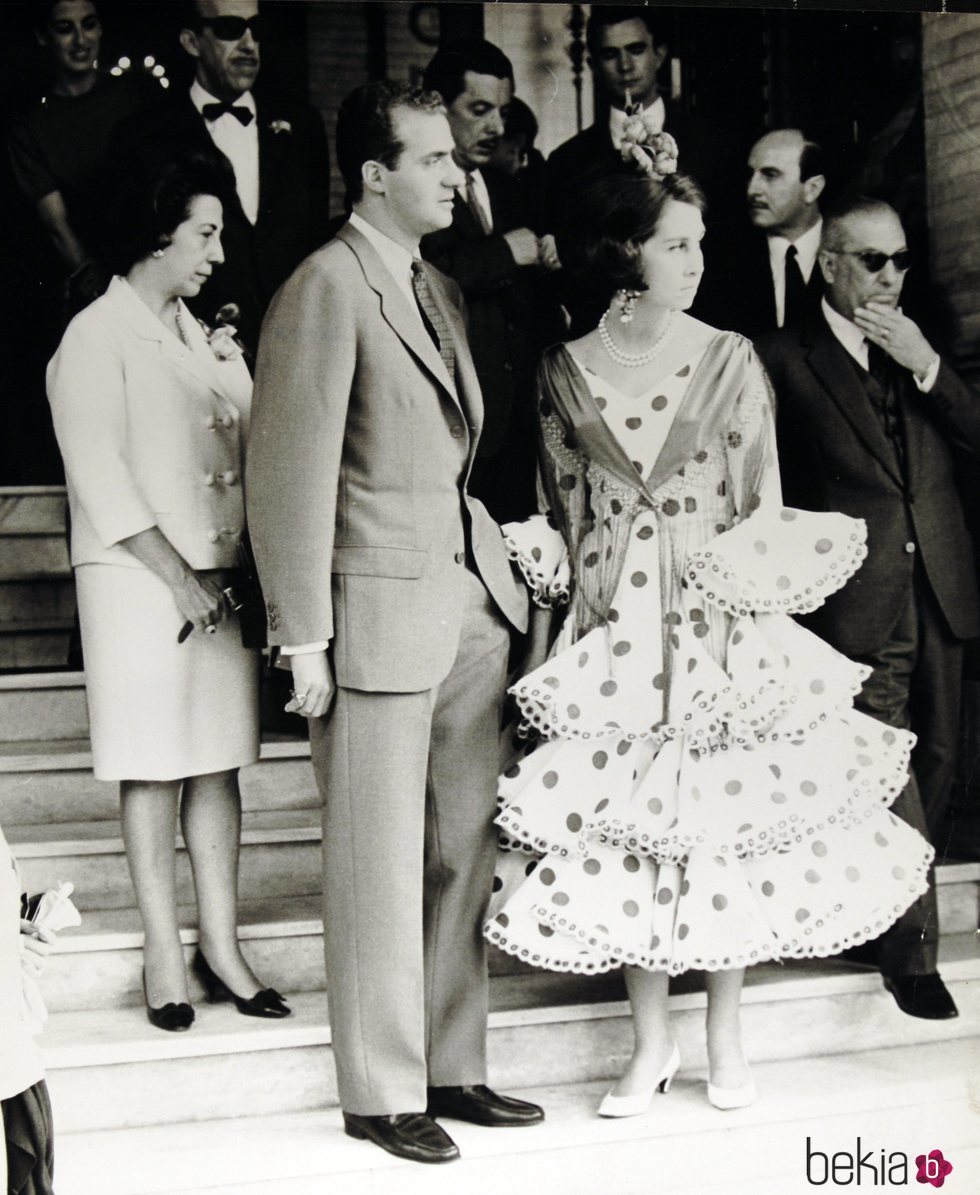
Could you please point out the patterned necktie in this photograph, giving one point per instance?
(432, 317)
(243, 115)
(794, 295)
(475, 206)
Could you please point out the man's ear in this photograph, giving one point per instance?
(813, 187)
(188, 40)
(372, 175)
(828, 264)
(660, 55)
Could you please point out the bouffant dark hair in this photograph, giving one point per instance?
(152, 194)
(609, 220)
(366, 129)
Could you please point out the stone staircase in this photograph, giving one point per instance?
(37, 593)
(243, 1105)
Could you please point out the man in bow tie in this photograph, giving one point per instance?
(278, 153)
(868, 414)
(388, 587)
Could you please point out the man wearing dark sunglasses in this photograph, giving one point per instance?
(868, 412)
(278, 153)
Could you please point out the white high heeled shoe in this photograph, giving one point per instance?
(635, 1105)
(728, 1098)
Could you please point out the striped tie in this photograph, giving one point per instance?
(432, 317)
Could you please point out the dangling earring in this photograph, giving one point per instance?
(157, 253)
(627, 304)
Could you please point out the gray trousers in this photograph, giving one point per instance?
(408, 783)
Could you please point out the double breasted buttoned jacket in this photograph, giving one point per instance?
(152, 434)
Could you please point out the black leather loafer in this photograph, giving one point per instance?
(410, 1135)
(480, 1105)
(923, 996)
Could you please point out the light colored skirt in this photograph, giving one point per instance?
(160, 710)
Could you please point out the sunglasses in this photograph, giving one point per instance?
(233, 28)
(874, 261)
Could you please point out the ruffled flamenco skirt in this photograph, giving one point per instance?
(706, 796)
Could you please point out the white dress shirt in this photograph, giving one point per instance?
(481, 194)
(654, 117)
(850, 336)
(807, 247)
(239, 143)
(398, 261)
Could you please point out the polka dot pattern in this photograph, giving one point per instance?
(661, 845)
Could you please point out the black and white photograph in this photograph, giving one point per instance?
(490, 597)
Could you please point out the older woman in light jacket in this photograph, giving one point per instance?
(151, 416)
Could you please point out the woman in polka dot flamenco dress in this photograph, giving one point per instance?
(701, 793)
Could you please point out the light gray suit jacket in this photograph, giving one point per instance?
(360, 448)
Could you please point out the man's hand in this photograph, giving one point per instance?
(313, 684)
(523, 245)
(899, 336)
(548, 253)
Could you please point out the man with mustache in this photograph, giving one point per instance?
(770, 279)
(498, 262)
(867, 416)
(278, 152)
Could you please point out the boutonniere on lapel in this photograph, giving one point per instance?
(223, 337)
(280, 126)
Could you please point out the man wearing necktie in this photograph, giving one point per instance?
(278, 153)
(388, 587)
(867, 416)
(499, 264)
(768, 279)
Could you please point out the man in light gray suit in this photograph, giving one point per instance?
(389, 588)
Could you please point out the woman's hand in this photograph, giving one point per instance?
(200, 600)
(36, 946)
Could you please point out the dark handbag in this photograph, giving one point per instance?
(251, 613)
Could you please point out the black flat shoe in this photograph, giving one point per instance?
(175, 1018)
(265, 1003)
(923, 996)
(479, 1105)
(410, 1135)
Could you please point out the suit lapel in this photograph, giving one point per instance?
(272, 148)
(837, 374)
(395, 309)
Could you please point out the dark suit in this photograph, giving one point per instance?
(705, 153)
(294, 188)
(737, 291)
(914, 600)
(508, 311)
(365, 536)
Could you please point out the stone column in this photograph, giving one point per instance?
(951, 91)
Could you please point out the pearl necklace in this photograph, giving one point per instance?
(181, 331)
(634, 360)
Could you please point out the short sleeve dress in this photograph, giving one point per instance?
(700, 792)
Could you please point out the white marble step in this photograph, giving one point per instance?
(280, 856)
(910, 1099)
(51, 782)
(98, 964)
(110, 1068)
(43, 706)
